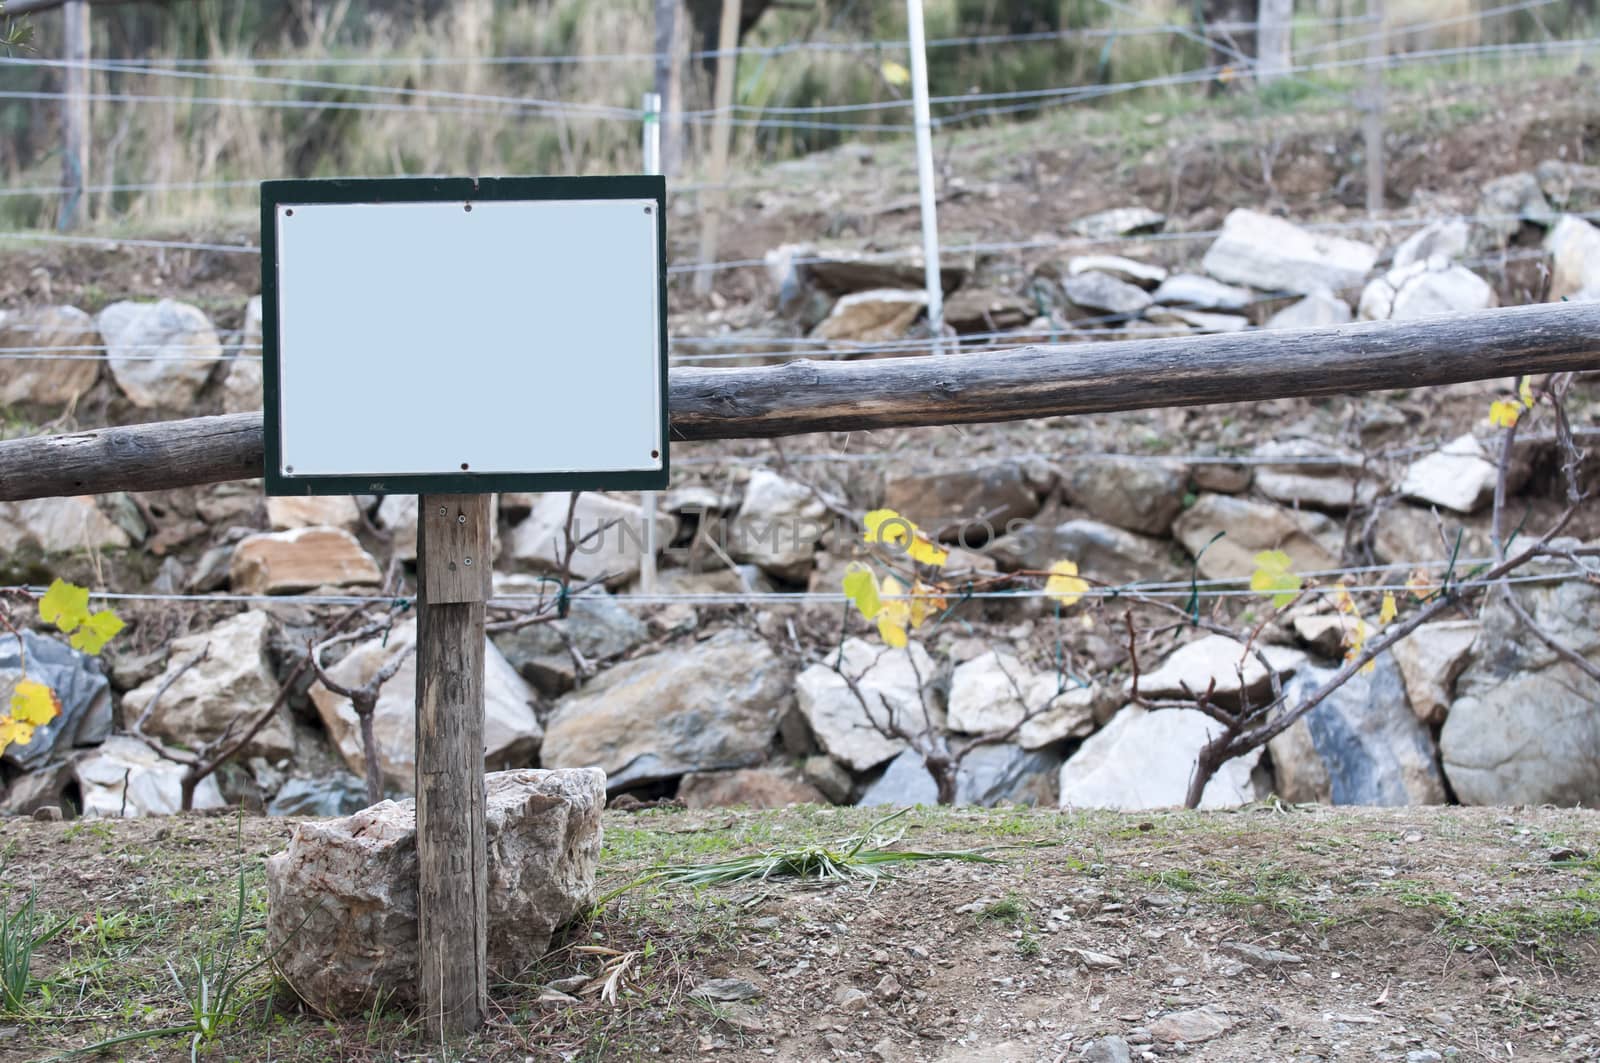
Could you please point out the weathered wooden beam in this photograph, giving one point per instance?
(818, 396)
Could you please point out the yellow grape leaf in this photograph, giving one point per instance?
(895, 615)
(34, 703)
(895, 73)
(861, 587)
(1343, 602)
(1355, 642)
(926, 600)
(1503, 413)
(1525, 391)
(14, 731)
(1274, 575)
(1064, 585)
(887, 526)
(96, 631)
(1389, 610)
(927, 553)
(64, 605)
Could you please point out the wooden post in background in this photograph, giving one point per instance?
(1372, 128)
(75, 129)
(672, 52)
(1274, 40)
(721, 131)
(452, 903)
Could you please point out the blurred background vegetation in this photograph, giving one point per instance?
(200, 111)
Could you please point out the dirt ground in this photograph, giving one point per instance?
(1270, 933)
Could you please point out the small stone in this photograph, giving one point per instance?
(851, 1000)
(888, 988)
(1127, 270)
(873, 316)
(1190, 1027)
(1119, 221)
(1459, 476)
(1272, 254)
(48, 813)
(1108, 1050)
(1105, 294)
(726, 990)
(1320, 309)
(1202, 293)
(1258, 956)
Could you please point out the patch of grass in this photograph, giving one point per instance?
(1008, 909)
(1543, 931)
(21, 934)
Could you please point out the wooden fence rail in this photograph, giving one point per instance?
(819, 396)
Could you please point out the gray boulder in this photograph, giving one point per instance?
(1506, 202)
(342, 898)
(160, 354)
(966, 505)
(1311, 540)
(1361, 746)
(1523, 729)
(232, 686)
(1260, 251)
(778, 526)
(1313, 474)
(1571, 186)
(1141, 496)
(1431, 659)
(337, 796)
(599, 626)
(1574, 247)
(888, 680)
(83, 691)
(1119, 221)
(1447, 239)
(1101, 293)
(48, 381)
(709, 706)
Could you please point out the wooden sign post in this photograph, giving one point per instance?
(450, 339)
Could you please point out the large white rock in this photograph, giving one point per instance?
(1313, 473)
(160, 354)
(1127, 270)
(1119, 221)
(1320, 309)
(874, 316)
(1523, 728)
(233, 685)
(1574, 247)
(397, 515)
(778, 526)
(342, 898)
(888, 680)
(301, 560)
(125, 777)
(1425, 289)
(1311, 540)
(1195, 666)
(58, 525)
(1459, 476)
(48, 381)
(1261, 251)
(1202, 293)
(612, 553)
(993, 691)
(287, 512)
(1431, 659)
(511, 731)
(711, 706)
(1144, 759)
(1446, 238)
(241, 388)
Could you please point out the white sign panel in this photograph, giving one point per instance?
(452, 335)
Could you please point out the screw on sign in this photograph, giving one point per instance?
(349, 385)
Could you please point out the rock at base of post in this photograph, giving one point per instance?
(342, 898)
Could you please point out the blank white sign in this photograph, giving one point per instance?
(514, 337)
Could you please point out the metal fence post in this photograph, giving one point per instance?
(75, 133)
(925, 176)
(647, 499)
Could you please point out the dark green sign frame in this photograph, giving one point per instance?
(430, 190)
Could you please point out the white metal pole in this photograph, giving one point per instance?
(924, 125)
(647, 499)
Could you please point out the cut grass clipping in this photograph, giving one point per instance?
(854, 860)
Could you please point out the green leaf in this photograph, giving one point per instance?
(1274, 576)
(96, 630)
(861, 587)
(65, 605)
